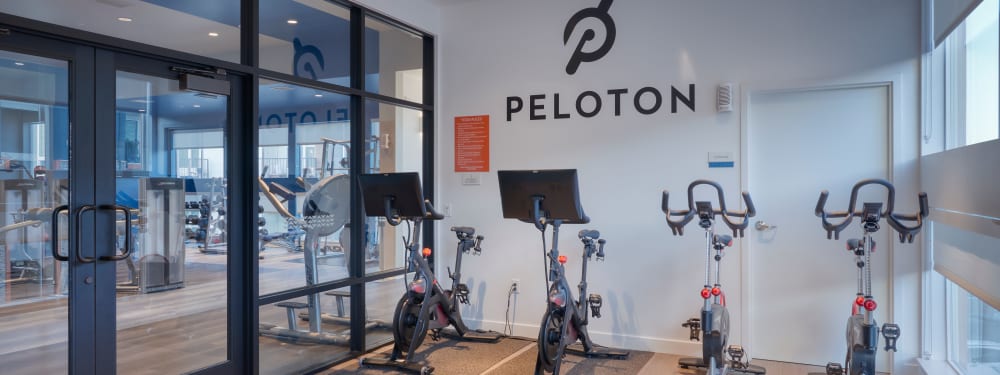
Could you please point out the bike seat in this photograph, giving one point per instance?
(468, 231)
(589, 234)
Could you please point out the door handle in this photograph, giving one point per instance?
(128, 233)
(55, 233)
(79, 214)
(762, 226)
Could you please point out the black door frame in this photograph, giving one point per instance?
(243, 293)
(108, 64)
(81, 314)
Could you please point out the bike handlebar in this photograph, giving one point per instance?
(677, 226)
(895, 220)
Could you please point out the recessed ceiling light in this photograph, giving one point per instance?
(197, 106)
(318, 95)
(293, 21)
(18, 63)
(142, 110)
(141, 101)
(124, 19)
(213, 34)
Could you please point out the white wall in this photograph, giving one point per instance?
(489, 50)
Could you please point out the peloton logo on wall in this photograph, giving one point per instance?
(601, 14)
(645, 100)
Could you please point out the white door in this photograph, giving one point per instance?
(800, 142)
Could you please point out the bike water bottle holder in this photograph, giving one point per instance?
(595, 302)
(891, 332)
(694, 324)
(834, 368)
(462, 293)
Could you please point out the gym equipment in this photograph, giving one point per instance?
(713, 324)
(325, 211)
(157, 262)
(862, 329)
(425, 305)
(551, 197)
(22, 240)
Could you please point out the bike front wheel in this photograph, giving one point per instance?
(406, 321)
(550, 341)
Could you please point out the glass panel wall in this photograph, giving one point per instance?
(170, 173)
(394, 61)
(396, 145)
(34, 178)
(306, 38)
(205, 28)
(306, 200)
(973, 333)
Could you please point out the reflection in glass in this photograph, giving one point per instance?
(394, 65)
(306, 38)
(170, 172)
(290, 344)
(305, 188)
(974, 331)
(396, 146)
(204, 28)
(34, 178)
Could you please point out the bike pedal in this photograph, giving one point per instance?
(694, 324)
(891, 332)
(462, 293)
(834, 368)
(736, 354)
(596, 302)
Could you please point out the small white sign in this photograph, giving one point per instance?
(472, 179)
(720, 160)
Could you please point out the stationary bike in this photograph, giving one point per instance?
(565, 320)
(713, 325)
(425, 305)
(862, 329)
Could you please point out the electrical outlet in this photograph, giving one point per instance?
(515, 284)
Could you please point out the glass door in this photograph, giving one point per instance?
(42, 280)
(165, 146)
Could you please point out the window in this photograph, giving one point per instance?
(974, 333)
(972, 92)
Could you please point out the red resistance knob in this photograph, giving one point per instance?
(860, 301)
(426, 252)
(562, 259)
(870, 305)
(716, 291)
(705, 293)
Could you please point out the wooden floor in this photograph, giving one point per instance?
(518, 357)
(184, 329)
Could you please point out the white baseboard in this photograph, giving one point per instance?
(644, 343)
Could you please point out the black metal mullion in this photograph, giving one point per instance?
(428, 138)
(82, 309)
(320, 288)
(105, 120)
(244, 338)
(356, 268)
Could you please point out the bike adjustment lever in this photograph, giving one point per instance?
(891, 332)
(694, 324)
